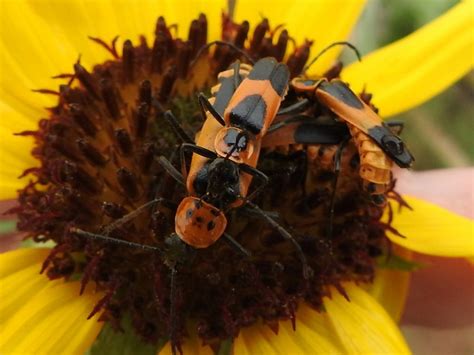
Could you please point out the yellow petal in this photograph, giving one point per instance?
(412, 70)
(430, 229)
(312, 336)
(362, 324)
(250, 341)
(324, 21)
(390, 287)
(20, 279)
(42, 39)
(31, 53)
(126, 18)
(313, 325)
(53, 321)
(19, 259)
(22, 284)
(15, 151)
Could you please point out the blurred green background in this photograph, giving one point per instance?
(440, 132)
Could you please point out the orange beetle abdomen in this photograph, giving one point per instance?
(198, 223)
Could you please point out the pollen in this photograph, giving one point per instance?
(99, 155)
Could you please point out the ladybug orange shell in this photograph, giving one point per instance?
(198, 223)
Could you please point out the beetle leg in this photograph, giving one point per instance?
(259, 176)
(396, 126)
(105, 238)
(324, 50)
(304, 130)
(207, 106)
(307, 271)
(294, 108)
(170, 169)
(249, 212)
(237, 78)
(237, 245)
(337, 169)
(198, 150)
(128, 217)
(220, 43)
(177, 253)
(187, 147)
(292, 119)
(173, 318)
(178, 130)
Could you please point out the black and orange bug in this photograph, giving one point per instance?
(232, 135)
(377, 144)
(218, 175)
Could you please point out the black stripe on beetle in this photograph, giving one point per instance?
(211, 225)
(340, 91)
(310, 133)
(248, 114)
(224, 94)
(269, 69)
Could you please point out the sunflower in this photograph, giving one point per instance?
(352, 309)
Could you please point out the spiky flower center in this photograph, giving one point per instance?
(98, 151)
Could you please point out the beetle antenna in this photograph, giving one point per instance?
(307, 270)
(130, 216)
(342, 43)
(83, 233)
(173, 319)
(206, 106)
(221, 43)
(237, 245)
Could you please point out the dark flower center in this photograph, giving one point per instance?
(98, 151)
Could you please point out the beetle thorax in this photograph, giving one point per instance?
(224, 182)
(235, 144)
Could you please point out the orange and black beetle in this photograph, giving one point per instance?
(378, 145)
(227, 148)
(217, 175)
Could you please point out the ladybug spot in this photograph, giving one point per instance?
(189, 213)
(211, 225)
(198, 204)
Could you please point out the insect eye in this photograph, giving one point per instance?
(230, 190)
(393, 144)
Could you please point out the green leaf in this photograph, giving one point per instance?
(7, 226)
(396, 262)
(30, 243)
(111, 342)
(226, 347)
